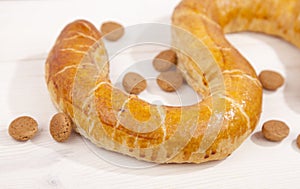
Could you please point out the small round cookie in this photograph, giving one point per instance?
(23, 128)
(275, 130)
(165, 60)
(112, 31)
(60, 127)
(134, 83)
(169, 81)
(298, 141)
(271, 80)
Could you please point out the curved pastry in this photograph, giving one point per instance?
(124, 123)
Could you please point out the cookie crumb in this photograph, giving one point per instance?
(271, 80)
(60, 127)
(169, 81)
(275, 130)
(134, 83)
(23, 128)
(298, 141)
(112, 31)
(165, 60)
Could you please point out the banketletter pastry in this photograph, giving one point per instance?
(119, 122)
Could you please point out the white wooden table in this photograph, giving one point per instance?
(28, 30)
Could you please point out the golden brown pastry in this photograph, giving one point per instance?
(124, 123)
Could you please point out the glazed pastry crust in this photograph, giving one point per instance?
(169, 136)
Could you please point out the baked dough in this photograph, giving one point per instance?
(113, 120)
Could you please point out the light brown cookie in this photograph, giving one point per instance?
(271, 80)
(134, 83)
(165, 60)
(298, 141)
(169, 81)
(23, 128)
(112, 31)
(60, 127)
(274, 130)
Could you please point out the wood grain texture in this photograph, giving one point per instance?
(43, 163)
